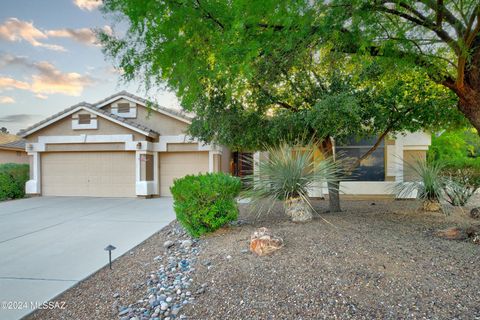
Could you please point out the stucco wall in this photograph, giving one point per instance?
(63, 127)
(10, 156)
(161, 123)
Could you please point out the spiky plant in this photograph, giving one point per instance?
(428, 184)
(287, 175)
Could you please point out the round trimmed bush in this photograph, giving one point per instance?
(205, 202)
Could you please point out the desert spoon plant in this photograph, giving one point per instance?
(287, 175)
(428, 184)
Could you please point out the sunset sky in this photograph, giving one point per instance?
(49, 60)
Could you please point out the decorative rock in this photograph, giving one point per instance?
(298, 209)
(164, 306)
(475, 213)
(431, 206)
(451, 234)
(186, 244)
(167, 244)
(116, 295)
(125, 311)
(263, 242)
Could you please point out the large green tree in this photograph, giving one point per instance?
(259, 71)
(192, 43)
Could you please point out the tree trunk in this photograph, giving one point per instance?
(333, 193)
(334, 197)
(469, 105)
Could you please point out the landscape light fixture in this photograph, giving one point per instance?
(110, 248)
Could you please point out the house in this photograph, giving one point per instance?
(118, 147)
(123, 146)
(378, 174)
(12, 149)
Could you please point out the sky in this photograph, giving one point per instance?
(50, 60)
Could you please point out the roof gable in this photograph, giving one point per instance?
(88, 107)
(145, 103)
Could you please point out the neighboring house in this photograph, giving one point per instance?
(12, 149)
(117, 147)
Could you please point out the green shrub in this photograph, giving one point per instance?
(12, 180)
(203, 203)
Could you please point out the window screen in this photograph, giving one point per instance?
(123, 107)
(373, 167)
(83, 119)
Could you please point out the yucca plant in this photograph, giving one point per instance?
(428, 184)
(287, 175)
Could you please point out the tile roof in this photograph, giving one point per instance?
(86, 105)
(18, 144)
(145, 102)
(7, 137)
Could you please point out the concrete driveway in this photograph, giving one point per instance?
(48, 244)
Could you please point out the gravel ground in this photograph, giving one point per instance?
(375, 260)
(370, 262)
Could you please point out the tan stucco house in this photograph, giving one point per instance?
(120, 147)
(117, 147)
(12, 149)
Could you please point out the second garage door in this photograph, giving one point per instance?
(175, 165)
(92, 174)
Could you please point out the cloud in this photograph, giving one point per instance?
(17, 118)
(16, 30)
(50, 80)
(6, 100)
(88, 4)
(10, 83)
(46, 79)
(41, 96)
(84, 35)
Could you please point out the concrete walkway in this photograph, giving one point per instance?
(48, 244)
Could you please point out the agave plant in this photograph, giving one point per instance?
(287, 175)
(428, 184)
(461, 184)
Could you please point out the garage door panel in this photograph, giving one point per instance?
(174, 165)
(95, 174)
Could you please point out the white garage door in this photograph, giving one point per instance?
(175, 165)
(92, 174)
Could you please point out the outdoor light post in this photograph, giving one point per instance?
(110, 248)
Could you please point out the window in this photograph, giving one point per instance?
(123, 107)
(84, 119)
(373, 167)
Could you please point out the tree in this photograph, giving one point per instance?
(441, 37)
(3, 130)
(261, 70)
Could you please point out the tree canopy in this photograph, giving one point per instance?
(257, 71)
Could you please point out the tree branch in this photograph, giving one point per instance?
(210, 16)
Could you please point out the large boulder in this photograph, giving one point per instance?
(263, 242)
